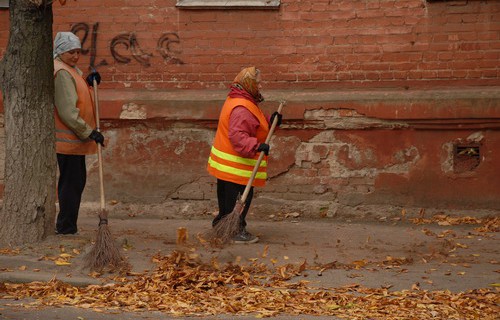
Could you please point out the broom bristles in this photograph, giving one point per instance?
(105, 254)
(227, 227)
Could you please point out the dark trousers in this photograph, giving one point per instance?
(72, 179)
(227, 194)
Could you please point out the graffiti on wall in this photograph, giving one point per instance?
(125, 46)
(129, 42)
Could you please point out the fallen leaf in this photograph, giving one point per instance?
(292, 214)
(359, 263)
(265, 251)
(10, 252)
(62, 262)
(184, 287)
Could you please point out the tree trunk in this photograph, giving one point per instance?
(27, 81)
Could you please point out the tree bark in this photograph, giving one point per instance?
(27, 81)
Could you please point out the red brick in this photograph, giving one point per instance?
(358, 35)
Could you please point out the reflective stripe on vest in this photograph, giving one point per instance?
(237, 159)
(243, 171)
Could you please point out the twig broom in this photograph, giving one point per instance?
(228, 226)
(104, 254)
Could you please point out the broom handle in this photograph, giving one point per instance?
(261, 155)
(99, 148)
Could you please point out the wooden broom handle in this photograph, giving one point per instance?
(99, 148)
(261, 155)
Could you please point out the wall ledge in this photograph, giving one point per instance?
(445, 103)
(386, 104)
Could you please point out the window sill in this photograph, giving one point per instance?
(228, 4)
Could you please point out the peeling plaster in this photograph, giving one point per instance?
(307, 154)
(348, 119)
(476, 137)
(407, 158)
(133, 111)
(447, 163)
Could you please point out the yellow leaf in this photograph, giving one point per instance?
(333, 306)
(65, 255)
(264, 252)
(282, 272)
(22, 268)
(359, 263)
(444, 223)
(495, 284)
(62, 262)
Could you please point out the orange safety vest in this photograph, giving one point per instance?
(67, 142)
(224, 162)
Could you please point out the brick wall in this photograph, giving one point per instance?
(304, 44)
(380, 95)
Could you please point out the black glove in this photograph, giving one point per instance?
(97, 137)
(274, 115)
(94, 75)
(264, 147)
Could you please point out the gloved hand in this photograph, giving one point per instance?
(263, 147)
(97, 137)
(94, 75)
(274, 115)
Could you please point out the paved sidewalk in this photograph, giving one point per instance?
(393, 254)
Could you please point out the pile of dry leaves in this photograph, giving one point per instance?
(182, 285)
(487, 224)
